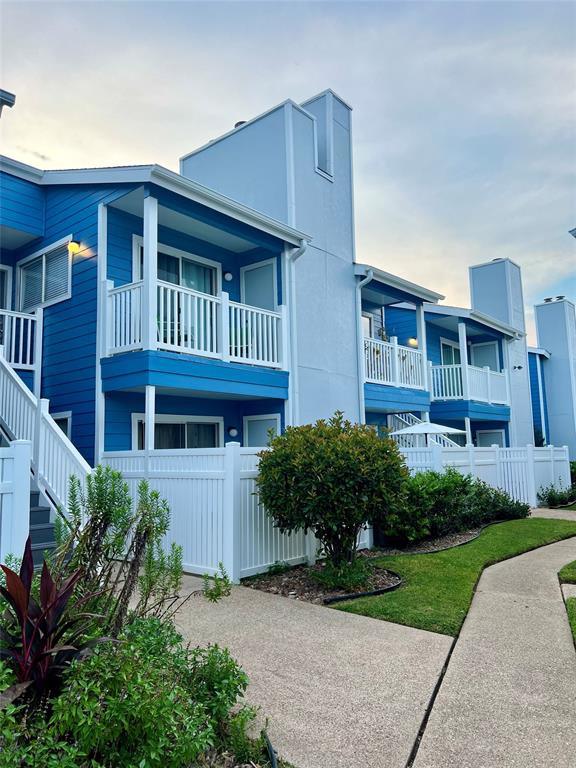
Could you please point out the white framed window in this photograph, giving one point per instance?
(45, 277)
(367, 325)
(257, 429)
(450, 352)
(485, 438)
(64, 422)
(5, 287)
(485, 354)
(259, 285)
(179, 268)
(179, 432)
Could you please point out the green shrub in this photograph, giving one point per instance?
(348, 577)
(332, 477)
(573, 472)
(556, 495)
(438, 504)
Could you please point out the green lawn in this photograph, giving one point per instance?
(568, 573)
(571, 608)
(438, 588)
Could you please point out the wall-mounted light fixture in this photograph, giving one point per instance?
(73, 247)
(232, 431)
(412, 342)
(228, 276)
(517, 368)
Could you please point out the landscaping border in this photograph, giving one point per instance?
(372, 593)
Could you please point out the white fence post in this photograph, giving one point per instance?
(38, 333)
(437, 463)
(311, 548)
(552, 472)
(531, 476)
(225, 327)
(488, 383)
(42, 409)
(232, 548)
(15, 501)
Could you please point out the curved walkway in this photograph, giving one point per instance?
(508, 697)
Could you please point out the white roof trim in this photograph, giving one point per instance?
(156, 174)
(478, 317)
(540, 351)
(398, 282)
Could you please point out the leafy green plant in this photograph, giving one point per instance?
(332, 477)
(573, 472)
(556, 495)
(347, 576)
(40, 640)
(278, 567)
(215, 587)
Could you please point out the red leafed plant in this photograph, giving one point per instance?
(39, 640)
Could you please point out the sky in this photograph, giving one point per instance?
(464, 120)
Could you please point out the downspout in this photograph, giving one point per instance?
(293, 257)
(360, 343)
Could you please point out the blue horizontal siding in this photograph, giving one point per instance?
(401, 323)
(383, 399)
(460, 409)
(21, 204)
(121, 405)
(194, 374)
(535, 393)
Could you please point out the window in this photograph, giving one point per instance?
(179, 432)
(367, 323)
(64, 422)
(45, 278)
(180, 268)
(485, 354)
(450, 353)
(485, 438)
(257, 428)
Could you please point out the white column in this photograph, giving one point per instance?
(395, 366)
(463, 343)
(468, 430)
(488, 383)
(38, 335)
(224, 340)
(149, 417)
(102, 327)
(15, 520)
(422, 345)
(150, 274)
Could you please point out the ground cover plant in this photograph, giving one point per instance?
(332, 478)
(567, 575)
(438, 587)
(571, 608)
(557, 495)
(93, 673)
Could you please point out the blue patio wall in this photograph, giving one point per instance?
(383, 399)
(193, 374)
(441, 410)
(121, 405)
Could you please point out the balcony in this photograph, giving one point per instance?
(392, 364)
(194, 323)
(467, 382)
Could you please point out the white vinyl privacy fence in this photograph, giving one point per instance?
(521, 472)
(215, 512)
(14, 498)
(217, 518)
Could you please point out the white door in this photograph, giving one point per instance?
(257, 430)
(485, 438)
(258, 285)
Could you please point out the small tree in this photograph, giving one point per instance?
(332, 477)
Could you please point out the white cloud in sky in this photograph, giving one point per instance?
(464, 113)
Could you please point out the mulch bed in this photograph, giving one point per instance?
(298, 583)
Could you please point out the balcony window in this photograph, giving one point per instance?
(181, 268)
(450, 353)
(44, 279)
(180, 432)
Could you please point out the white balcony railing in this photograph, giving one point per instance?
(195, 323)
(21, 337)
(458, 382)
(390, 363)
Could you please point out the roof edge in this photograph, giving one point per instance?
(426, 294)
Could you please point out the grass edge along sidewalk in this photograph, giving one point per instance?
(438, 587)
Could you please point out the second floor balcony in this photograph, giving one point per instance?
(191, 322)
(390, 363)
(468, 382)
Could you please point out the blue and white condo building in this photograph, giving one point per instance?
(150, 310)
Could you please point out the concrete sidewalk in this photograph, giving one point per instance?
(340, 691)
(509, 694)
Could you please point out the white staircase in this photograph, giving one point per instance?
(402, 420)
(24, 417)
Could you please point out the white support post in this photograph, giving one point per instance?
(437, 464)
(38, 336)
(149, 424)
(395, 361)
(552, 469)
(468, 429)
(284, 337)
(463, 345)
(471, 459)
(498, 462)
(531, 477)
(431, 380)
(15, 517)
(224, 339)
(232, 544)
(488, 383)
(422, 345)
(103, 323)
(150, 287)
(311, 548)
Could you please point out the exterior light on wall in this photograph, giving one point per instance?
(233, 432)
(412, 342)
(228, 276)
(73, 247)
